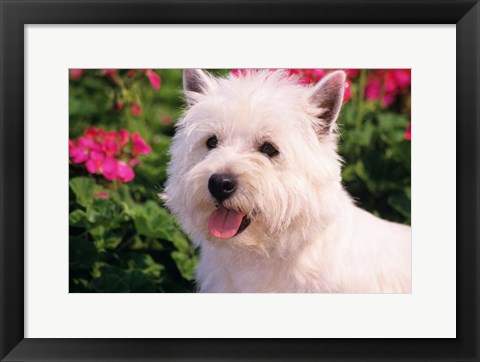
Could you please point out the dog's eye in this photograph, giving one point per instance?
(268, 149)
(212, 142)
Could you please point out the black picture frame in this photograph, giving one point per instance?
(16, 14)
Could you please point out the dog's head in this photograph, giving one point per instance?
(254, 157)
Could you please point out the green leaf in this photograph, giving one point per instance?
(112, 240)
(84, 189)
(98, 231)
(78, 218)
(117, 280)
(123, 196)
(364, 136)
(365, 177)
(96, 270)
(82, 253)
(408, 192)
(112, 279)
(139, 282)
(181, 242)
(111, 283)
(153, 221)
(401, 203)
(392, 127)
(79, 285)
(101, 211)
(348, 173)
(92, 214)
(106, 208)
(145, 263)
(185, 264)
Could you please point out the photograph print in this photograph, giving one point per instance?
(240, 181)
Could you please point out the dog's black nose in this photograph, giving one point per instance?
(222, 186)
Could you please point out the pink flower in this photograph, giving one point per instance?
(110, 168)
(76, 73)
(136, 110)
(135, 161)
(124, 172)
(102, 194)
(110, 147)
(124, 137)
(140, 147)
(403, 77)
(352, 73)
(154, 79)
(91, 133)
(373, 88)
(396, 81)
(109, 71)
(71, 145)
(118, 105)
(95, 161)
(239, 73)
(307, 80)
(79, 152)
(347, 93)
(313, 75)
(306, 76)
(388, 83)
(98, 149)
(116, 170)
(408, 132)
(294, 72)
(319, 73)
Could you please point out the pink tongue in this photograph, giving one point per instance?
(224, 223)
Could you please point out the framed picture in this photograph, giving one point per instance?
(85, 237)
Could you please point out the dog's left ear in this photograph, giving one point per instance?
(327, 96)
(195, 83)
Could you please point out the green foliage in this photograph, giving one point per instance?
(129, 242)
(377, 156)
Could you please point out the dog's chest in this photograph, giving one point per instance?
(249, 274)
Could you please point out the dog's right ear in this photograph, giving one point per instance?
(195, 84)
(327, 96)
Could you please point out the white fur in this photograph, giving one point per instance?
(306, 234)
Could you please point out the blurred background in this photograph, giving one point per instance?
(122, 121)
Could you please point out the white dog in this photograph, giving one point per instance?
(255, 181)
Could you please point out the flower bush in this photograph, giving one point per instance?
(122, 239)
(109, 153)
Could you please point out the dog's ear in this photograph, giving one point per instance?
(195, 83)
(327, 96)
